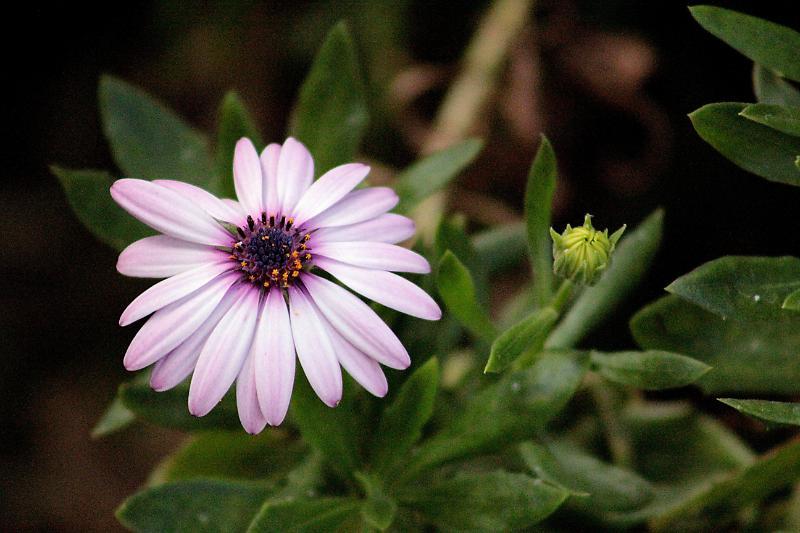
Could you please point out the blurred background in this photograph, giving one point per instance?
(609, 81)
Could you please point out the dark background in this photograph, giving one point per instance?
(609, 81)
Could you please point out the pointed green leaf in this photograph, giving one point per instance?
(495, 501)
(741, 287)
(783, 119)
(649, 370)
(235, 122)
(307, 515)
(458, 293)
(771, 45)
(193, 506)
(169, 408)
(527, 335)
(115, 418)
(631, 261)
(538, 200)
(792, 301)
(775, 412)
(433, 173)
(772, 89)
(330, 115)
(753, 356)
(87, 194)
(401, 424)
(752, 146)
(379, 509)
(148, 140)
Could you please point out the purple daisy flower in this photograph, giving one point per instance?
(240, 299)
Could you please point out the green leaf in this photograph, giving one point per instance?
(433, 173)
(771, 45)
(605, 487)
(330, 115)
(515, 408)
(741, 287)
(649, 370)
(458, 293)
(379, 509)
(528, 335)
(148, 140)
(792, 302)
(538, 200)
(783, 119)
(192, 506)
(756, 148)
(115, 418)
(721, 502)
(235, 122)
(169, 408)
(87, 194)
(307, 515)
(754, 356)
(774, 412)
(631, 261)
(501, 247)
(494, 501)
(772, 89)
(401, 423)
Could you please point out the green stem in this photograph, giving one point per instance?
(617, 437)
(562, 296)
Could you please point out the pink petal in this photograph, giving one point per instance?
(171, 325)
(295, 174)
(250, 414)
(224, 352)
(269, 169)
(356, 206)
(314, 348)
(385, 288)
(171, 289)
(273, 350)
(364, 369)
(162, 256)
(212, 205)
(376, 255)
(389, 228)
(247, 178)
(356, 322)
(236, 207)
(179, 363)
(168, 212)
(328, 189)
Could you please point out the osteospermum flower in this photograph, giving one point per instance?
(241, 299)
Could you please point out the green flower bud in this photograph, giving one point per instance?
(582, 254)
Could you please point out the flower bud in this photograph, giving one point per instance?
(582, 254)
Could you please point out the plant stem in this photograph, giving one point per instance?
(562, 296)
(617, 436)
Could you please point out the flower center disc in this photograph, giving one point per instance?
(269, 252)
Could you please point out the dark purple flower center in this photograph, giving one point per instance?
(271, 252)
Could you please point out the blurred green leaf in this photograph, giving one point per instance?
(401, 423)
(305, 515)
(193, 506)
(514, 408)
(450, 235)
(88, 194)
(433, 173)
(379, 509)
(771, 45)
(330, 115)
(235, 122)
(458, 293)
(756, 148)
(538, 200)
(783, 119)
(501, 247)
(169, 408)
(649, 370)
(494, 501)
(148, 140)
(740, 287)
(772, 89)
(631, 262)
(605, 487)
(792, 302)
(527, 335)
(746, 356)
(774, 412)
(115, 418)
